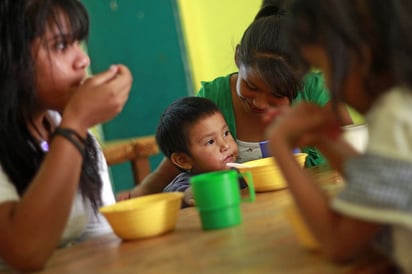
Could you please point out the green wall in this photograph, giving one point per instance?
(146, 36)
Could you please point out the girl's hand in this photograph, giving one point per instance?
(271, 113)
(303, 125)
(99, 99)
(132, 193)
(310, 125)
(124, 195)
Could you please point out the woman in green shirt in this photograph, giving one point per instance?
(223, 92)
(268, 76)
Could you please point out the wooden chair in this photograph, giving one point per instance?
(136, 150)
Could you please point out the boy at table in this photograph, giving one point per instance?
(269, 75)
(195, 137)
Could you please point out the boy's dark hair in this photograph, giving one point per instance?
(176, 121)
(265, 48)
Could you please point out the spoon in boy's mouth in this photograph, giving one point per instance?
(236, 165)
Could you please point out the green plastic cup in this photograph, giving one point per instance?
(217, 197)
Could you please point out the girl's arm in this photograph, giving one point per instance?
(342, 110)
(157, 180)
(341, 237)
(31, 228)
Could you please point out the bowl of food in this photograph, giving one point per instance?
(266, 173)
(144, 216)
(302, 232)
(331, 183)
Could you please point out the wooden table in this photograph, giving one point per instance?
(263, 243)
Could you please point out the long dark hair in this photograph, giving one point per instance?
(21, 21)
(264, 47)
(343, 28)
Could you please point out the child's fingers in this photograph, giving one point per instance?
(124, 195)
(272, 112)
(123, 80)
(104, 76)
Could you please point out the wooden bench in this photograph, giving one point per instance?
(136, 150)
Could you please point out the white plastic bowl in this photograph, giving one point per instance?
(357, 136)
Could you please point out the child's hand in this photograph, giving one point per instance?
(123, 195)
(132, 193)
(188, 197)
(271, 113)
(305, 124)
(98, 99)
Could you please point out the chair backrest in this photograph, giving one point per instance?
(136, 150)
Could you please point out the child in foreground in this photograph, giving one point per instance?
(365, 49)
(194, 136)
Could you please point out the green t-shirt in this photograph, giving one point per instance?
(314, 91)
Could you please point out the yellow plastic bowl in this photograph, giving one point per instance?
(331, 184)
(303, 234)
(266, 173)
(144, 216)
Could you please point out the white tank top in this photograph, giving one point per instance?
(248, 151)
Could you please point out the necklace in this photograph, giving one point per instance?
(44, 145)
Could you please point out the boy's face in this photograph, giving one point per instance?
(211, 145)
